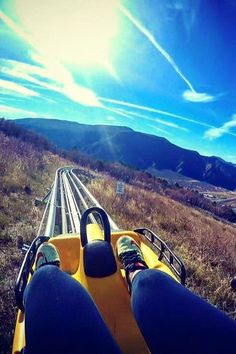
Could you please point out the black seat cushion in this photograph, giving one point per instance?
(99, 259)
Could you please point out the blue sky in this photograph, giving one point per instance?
(160, 67)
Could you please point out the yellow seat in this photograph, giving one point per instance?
(68, 247)
(110, 293)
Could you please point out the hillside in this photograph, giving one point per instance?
(139, 150)
(25, 173)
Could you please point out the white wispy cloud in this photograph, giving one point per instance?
(63, 80)
(15, 28)
(215, 133)
(189, 95)
(13, 111)
(156, 120)
(9, 87)
(111, 118)
(155, 110)
(34, 76)
(187, 10)
(22, 70)
(11, 98)
(159, 130)
(118, 111)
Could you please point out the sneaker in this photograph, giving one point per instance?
(47, 254)
(130, 255)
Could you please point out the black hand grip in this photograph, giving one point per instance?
(105, 221)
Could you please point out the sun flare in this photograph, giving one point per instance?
(72, 31)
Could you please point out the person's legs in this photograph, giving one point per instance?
(171, 318)
(174, 320)
(61, 317)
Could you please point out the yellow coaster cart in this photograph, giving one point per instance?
(89, 258)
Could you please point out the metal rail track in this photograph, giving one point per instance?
(68, 199)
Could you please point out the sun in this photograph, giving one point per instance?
(77, 32)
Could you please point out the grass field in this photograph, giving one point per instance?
(25, 174)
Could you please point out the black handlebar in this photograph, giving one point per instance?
(105, 221)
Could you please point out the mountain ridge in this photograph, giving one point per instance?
(136, 149)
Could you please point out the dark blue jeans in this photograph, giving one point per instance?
(61, 317)
(175, 321)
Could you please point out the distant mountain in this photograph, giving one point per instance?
(139, 150)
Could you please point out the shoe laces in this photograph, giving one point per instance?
(130, 259)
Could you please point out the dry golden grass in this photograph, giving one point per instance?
(206, 246)
(24, 175)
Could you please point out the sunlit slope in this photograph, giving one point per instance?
(25, 173)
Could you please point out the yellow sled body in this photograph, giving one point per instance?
(110, 293)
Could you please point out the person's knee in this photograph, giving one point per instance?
(151, 277)
(43, 278)
(46, 274)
